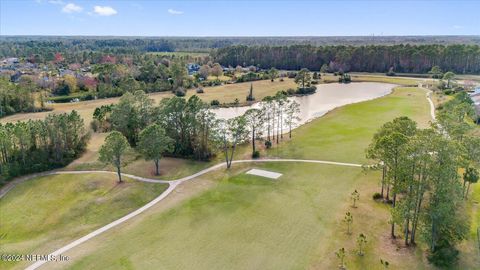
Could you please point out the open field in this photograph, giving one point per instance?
(221, 78)
(369, 77)
(344, 133)
(181, 54)
(259, 217)
(43, 213)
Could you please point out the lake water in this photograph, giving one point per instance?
(327, 98)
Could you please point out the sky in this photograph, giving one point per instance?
(239, 18)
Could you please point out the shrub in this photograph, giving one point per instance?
(268, 144)
(290, 91)
(448, 92)
(281, 79)
(256, 154)
(180, 92)
(215, 102)
(345, 78)
(200, 90)
(95, 125)
(377, 196)
(306, 90)
(314, 82)
(444, 256)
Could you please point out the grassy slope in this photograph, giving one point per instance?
(366, 77)
(245, 222)
(344, 133)
(50, 211)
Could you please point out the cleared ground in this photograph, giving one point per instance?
(41, 214)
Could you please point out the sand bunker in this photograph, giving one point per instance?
(263, 173)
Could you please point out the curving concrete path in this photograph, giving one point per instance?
(172, 185)
(432, 106)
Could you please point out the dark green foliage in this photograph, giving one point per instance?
(306, 91)
(371, 58)
(215, 102)
(256, 154)
(345, 78)
(251, 76)
(377, 196)
(444, 256)
(190, 124)
(35, 146)
(15, 98)
(62, 89)
(180, 92)
(268, 144)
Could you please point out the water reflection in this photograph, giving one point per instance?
(327, 97)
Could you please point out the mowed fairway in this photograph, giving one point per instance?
(344, 133)
(244, 222)
(41, 214)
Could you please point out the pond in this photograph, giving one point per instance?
(326, 98)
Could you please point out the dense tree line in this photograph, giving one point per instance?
(26, 46)
(34, 146)
(16, 97)
(421, 177)
(372, 58)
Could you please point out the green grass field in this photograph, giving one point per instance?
(42, 214)
(244, 222)
(374, 77)
(344, 133)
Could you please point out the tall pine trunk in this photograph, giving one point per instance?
(157, 170)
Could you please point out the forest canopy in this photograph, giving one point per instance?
(373, 58)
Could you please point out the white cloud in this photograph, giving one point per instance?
(104, 11)
(457, 27)
(71, 8)
(175, 12)
(56, 2)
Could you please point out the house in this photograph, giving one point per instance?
(193, 68)
(10, 61)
